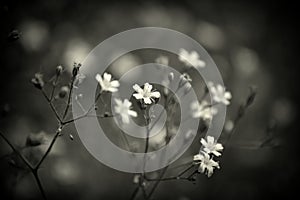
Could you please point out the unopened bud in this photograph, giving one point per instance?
(76, 69)
(187, 88)
(37, 81)
(171, 76)
(14, 35)
(106, 114)
(59, 70)
(184, 78)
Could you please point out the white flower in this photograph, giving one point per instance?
(202, 110)
(207, 164)
(211, 146)
(145, 93)
(123, 109)
(219, 94)
(106, 83)
(191, 59)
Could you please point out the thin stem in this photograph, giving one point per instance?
(157, 182)
(50, 147)
(86, 114)
(16, 151)
(147, 140)
(178, 177)
(69, 98)
(54, 87)
(33, 170)
(186, 170)
(36, 176)
(135, 192)
(52, 106)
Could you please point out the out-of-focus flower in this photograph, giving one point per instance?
(191, 59)
(106, 83)
(207, 165)
(189, 134)
(64, 90)
(163, 60)
(229, 125)
(203, 110)
(211, 146)
(145, 94)
(36, 139)
(38, 81)
(219, 94)
(123, 109)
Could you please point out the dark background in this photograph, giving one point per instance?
(253, 43)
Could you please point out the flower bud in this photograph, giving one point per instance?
(59, 70)
(76, 69)
(37, 81)
(187, 88)
(184, 78)
(14, 35)
(171, 76)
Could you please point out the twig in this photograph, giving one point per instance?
(50, 147)
(16, 151)
(36, 176)
(52, 106)
(69, 98)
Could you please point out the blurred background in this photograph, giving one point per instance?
(252, 43)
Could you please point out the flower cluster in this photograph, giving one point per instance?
(123, 108)
(205, 158)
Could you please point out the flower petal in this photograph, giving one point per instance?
(210, 139)
(227, 95)
(107, 76)
(137, 88)
(112, 89)
(115, 83)
(99, 78)
(132, 113)
(155, 94)
(118, 101)
(147, 100)
(147, 87)
(127, 103)
(138, 96)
